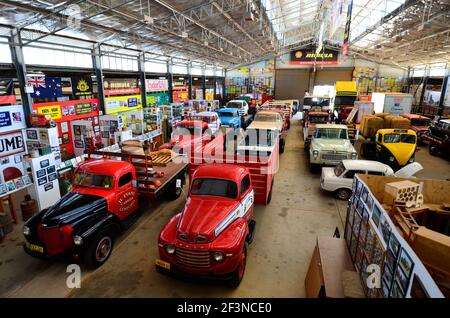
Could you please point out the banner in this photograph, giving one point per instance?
(45, 87)
(81, 85)
(156, 85)
(118, 104)
(347, 28)
(11, 143)
(54, 111)
(309, 56)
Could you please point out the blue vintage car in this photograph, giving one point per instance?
(229, 117)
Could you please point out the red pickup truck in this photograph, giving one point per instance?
(82, 225)
(186, 133)
(210, 236)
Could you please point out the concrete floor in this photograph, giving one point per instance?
(277, 259)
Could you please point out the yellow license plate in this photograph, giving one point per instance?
(162, 264)
(36, 248)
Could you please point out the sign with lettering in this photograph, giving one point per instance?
(81, 86)
(83, 108)
(309, 56)
(54, 111)
(5, 119)
(156, 85)
(11, 143)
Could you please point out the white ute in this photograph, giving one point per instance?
(339, 179)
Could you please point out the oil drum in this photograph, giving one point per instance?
(28, 207)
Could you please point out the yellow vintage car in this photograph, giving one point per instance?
(396, 147)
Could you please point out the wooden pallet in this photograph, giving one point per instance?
(160, 160)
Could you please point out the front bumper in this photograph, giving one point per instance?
(68, 255)
(180, 273)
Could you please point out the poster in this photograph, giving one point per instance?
(11, 143)
(83, 108)
(81, 86)
(64, 127)
(117, 104)
(156, 85)
(54, 111)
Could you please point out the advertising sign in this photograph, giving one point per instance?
(156, 85)
(309, 56)
(121, 86)
(54, 111)
(122, 103)
(5, 119)
(83, 108)
(11, 143)
(81, 86)
(157, 99)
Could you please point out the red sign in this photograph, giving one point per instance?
(156, 85)
(9, 99)
(122, 91)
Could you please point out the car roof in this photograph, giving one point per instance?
(396, 130)
(365, 165)
(220, 171)
(331, 126)
(318, 113)
(192, 123)
(236, 100)
(265, 125)
(447, 121)
(105, 167)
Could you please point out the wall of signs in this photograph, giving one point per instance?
(372, 238)
(64, 112)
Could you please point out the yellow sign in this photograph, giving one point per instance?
(117, 104)
(54, 111)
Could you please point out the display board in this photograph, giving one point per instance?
(117, 104)
(37, 138)
(372, 238)
(12, 149)
(11, 118)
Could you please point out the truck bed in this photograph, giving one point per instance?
(144, 166)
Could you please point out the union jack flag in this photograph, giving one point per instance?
(37, 81)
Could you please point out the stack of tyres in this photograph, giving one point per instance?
(370, 125)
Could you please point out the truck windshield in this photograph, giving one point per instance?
(317, 119)
(226, 114)
(397, 138)
(339, 169)
(234, 105)
(214, 187)
(206, 119)
(84, 179)
(331, 133)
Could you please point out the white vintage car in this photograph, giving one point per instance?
(339, 179)
(241, 105)
(330, 145)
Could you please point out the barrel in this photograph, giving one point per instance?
(28, 207)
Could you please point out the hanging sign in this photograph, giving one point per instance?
(347, 28)
(45, 87)
(121, 86)
(122, 103)
(309, 56)
(83, 108)
(156, 85)
(11, 143)
(81, 86)
(157, 99)
(54, 111)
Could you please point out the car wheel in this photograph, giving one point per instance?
(343, 194)
(238, 274)
(100, 249)
(173, 192)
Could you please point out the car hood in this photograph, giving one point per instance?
(73, 208)
(333, 144)
(328, 173)
(227, 120)
(202, 215)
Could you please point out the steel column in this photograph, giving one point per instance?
(97, 62)
(141, 69)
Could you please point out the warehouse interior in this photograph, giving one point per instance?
(225, 148)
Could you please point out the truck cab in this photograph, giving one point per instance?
(83, 223)
(395, 147)
(210, 237)
(211, 118)
(330, 145)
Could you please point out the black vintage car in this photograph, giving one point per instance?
(439, 138)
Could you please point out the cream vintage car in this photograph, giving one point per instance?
(330, 145)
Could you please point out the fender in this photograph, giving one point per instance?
(110, 220)
(169, 231)
(232, 239)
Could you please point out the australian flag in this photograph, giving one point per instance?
(45, 87)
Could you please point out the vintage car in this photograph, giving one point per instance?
(211, 118)
(241, 105)
(339, 179)
(395, 147)
(210, 237)
(229, 118)
(83, 224)
(330, 145)
(311, 119)
(439, 138)
(420, 124)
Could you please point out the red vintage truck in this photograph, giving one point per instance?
(83, 224)
(210, 237)
(186, 133)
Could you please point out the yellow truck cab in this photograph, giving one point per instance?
(345, 95)
(396, 147)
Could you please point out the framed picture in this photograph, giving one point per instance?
(77, 130)
(405, 263)
(51, 169)
(370, 202)
(396, 291)
(402, 280)
(384, 289)
(391, 260)
(417, 289)
(41, 173)
(45, 163)
(364, 195)
(42, 181)
(19, 183)
(394, 245)
(95, 120)
(387, 275)
(17, 158)
(72, 110)
(376, 215)
(26, 179)
(79, 144)
(64, 127)
(3, 189)
(52, 177)
(379, 251)
(4, 161)
(65, 138)
(32, 134)
(48, 187)
(10, 185)
(359, 188)
(385, 228)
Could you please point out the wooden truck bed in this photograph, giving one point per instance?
(145, 165)
(283, 107)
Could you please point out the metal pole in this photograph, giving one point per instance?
(141, 69)
(19, 63)
(97, 62)
(170, 80)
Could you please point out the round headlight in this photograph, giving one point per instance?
(26, 231)
(77, 240)
(218, 256)
(391, 159)
(315, 153)
(170, 249)
(354, 155)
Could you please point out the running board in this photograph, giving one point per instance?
(251, 231)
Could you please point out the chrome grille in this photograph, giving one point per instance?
(334, 156)
(193, 258)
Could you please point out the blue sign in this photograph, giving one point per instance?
(132, 102)
(5, 119)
